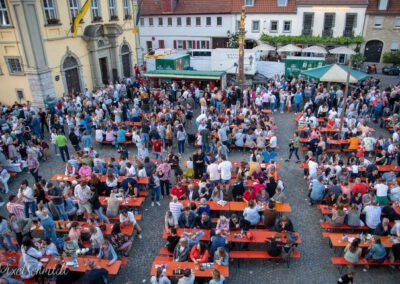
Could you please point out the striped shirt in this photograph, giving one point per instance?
(16, 208)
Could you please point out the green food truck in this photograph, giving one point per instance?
(295, 64)
(173, 62)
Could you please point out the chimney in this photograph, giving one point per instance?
(168, 6)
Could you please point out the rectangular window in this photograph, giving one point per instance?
(127, 9)
(198, 21)
(179, 21)
(14, 65)
(112, 8)
(188, 21)
(378, 23)
(394, 45)
(179, 44)
(329, 20)
(255, 26)
(351, 21)
(219, 21)
(4, 17)
(73, 8)
(161, 43)
(160, 21)
(49, 9)
(397, 22)
(151, 22)
(95, 9)
(273, 27)
(169, 21)
(237, 25)
(287, 26)
(383, 5)
(203, 44)
(249, 3)
(308, 21)
(208, 21)
(20, 94)
(281, 3)
(189, 44)
(142, 22)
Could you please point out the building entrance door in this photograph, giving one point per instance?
(104, 70)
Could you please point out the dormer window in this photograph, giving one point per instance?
(383, 5)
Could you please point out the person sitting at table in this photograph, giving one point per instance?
(222, 224)
(395, 231)
(47, 247)
(188, 277)
(170, 221)
(389, 176)
(330, 199)
(199, 253)
(249, 195)
(30, 260)
(121, 242)
(187, 219)
(368, 198)
(178, 191)
(99, 168)
(238, 189)
(353, 216)
(95, 274)
(343, 200)
(5, 235)
(221, 257)
(85, 171)
(251, 214)
(217, 194)
(113, 203)
(376, 251)
(338, 216)
(236, 223)
(75, 232)
(316, 191)
(70, 246)
(111, 182)
(181, 252)
(203, 221)
(203, 207)
(96, 238)
(372, 215)
(205, 191)
(192, 194)
(381, 193)
(395, 192)
(262, 197)
(107, 252)
(160, 277)
(372, 177)
(274, 245)
(284, 225)
(352, 251)
(126, 218)
(383, 228)
(70, 170)
(216, 241)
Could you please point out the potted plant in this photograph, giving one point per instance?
(114, 18)
(53, 21)
(97, 19)
(128, 17)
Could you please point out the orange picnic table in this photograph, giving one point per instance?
(7, 257)
(240, 206)
(172, 265)
(65, 178)
(238, 164)
(338, 142)
(131, 202)
(338, 241)
(83, 264)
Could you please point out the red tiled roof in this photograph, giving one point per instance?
(185, 7)
(332, 2)
(393, 8)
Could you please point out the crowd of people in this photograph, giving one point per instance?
(161, 123)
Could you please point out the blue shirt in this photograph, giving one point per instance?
(298, 97)
(269, 156)
(121, 135)
(87, 141)
(317, 190)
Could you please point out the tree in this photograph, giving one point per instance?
(233, 40)
(357, 60)
(392, 57)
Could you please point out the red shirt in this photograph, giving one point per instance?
(249, 195)
(257, 187)
(178, 191)
(360, 187)
(157, 146)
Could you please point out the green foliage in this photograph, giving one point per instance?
(285, 39)
(392, 57)
(233, 40)
(357, 60)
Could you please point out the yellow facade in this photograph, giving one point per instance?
(58, 43)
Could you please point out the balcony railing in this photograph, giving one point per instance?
(327, 32)
(348, 33)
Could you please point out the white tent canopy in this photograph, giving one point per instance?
(342, 50)
(289, 48)
(264, 47)
(315, 49)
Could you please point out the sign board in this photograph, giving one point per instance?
(295, 64)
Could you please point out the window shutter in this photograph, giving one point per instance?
(208, 44)
(194, 44)
(184, 44)
(174, 44)
(198, 44)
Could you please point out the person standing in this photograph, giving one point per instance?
(181, 136)
(33, 166)
(55, 194)
(155, 188)
(61, 142)
(26, 193)
(294, 148)
(164, 172)
(225, 168)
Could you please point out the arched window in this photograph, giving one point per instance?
(125, 49)
(70, 62)
(126, 60)
(70, 68)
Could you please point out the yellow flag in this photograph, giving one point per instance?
(80, 16)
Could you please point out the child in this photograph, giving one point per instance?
(189, 171)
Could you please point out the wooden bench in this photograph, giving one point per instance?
(303, 148)
(338, 260)
(249, 254)
(326, 225)
(165, 251)
(333, 150)
(127, 142)
(163, 258)
(138, 217)
(143, 193)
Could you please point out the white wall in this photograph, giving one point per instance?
(340, 18)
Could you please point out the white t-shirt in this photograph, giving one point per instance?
(213, 172)
(130, 218)
(225, 168)
(273, 142)
(381, 189)
(312, 168)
